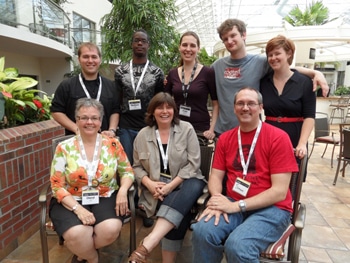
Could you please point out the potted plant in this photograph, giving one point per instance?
(342, 90)
(19, 103)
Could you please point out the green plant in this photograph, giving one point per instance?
(22, 104)
(156, 17)
(342, 90)
(205, 59)
(314, 14)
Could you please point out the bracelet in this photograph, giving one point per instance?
(74, 208)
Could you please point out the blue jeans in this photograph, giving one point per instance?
(126, 138)
(176, 208)
(242, 239)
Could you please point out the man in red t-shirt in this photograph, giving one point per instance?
(258, 160)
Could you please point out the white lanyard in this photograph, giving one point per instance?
(252, 147)
(165, 157)
(91, 167)
(86, 91)
(141, 78)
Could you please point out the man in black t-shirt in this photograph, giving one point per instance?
(87, 84)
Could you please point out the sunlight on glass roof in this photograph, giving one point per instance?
(204, 16)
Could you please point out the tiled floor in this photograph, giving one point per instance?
(326, 237)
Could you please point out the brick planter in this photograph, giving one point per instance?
(25, 159)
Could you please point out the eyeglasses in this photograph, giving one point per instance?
(137, 40)
(250, 104)
(86, 118)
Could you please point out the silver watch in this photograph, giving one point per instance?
(242, 206)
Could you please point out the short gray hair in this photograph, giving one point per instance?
(87, 102)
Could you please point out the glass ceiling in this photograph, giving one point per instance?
(204, 16)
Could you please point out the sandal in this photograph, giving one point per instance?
(139, 255)
(75, 260)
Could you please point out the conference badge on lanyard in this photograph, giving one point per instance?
(241, 186)
(185, 111)
(165, 178)
(90, 197)
(134, 104)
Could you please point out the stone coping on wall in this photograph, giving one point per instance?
(27, 130)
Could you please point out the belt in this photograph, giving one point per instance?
(285, 119)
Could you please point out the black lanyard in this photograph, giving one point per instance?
(185, 88)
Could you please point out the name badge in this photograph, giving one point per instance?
(90, 197)
(241, 186)
(134, 104)
(165, 178)
(185, 111)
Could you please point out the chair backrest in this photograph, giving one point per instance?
(321, 125)
(206, 160)
(346, 143)
(296, 183)
(56, 141)
(343, 101)
(344, 130)
(207, 150)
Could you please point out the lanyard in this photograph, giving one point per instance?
(184, 87)
(141, 78)
(86, 91)
(91, 167)
(252, 147)
(164, 155)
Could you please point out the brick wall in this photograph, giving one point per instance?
(25, 159)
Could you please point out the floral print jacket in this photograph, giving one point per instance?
(69, 175)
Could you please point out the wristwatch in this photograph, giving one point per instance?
(242, 206)
(114, 131)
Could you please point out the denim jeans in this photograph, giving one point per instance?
(242, 239)
(126, 138)
(176, 208)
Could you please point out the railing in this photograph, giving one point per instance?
(47, 19)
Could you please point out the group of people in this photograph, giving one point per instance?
(157, 123)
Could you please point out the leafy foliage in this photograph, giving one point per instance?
(22, 104)
(314, 14)
(129, 15)
(342, 90)
(204, 58)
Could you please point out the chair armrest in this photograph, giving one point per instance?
(205, 189)
(131, 191)
(131, 194)
(43, 193)
(202, 200)
(299, 221)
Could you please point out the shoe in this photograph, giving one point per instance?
(147, 222)
(75, 260)
(139, 255)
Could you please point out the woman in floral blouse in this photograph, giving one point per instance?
(88, 205)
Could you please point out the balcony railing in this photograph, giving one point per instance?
(47, 19)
